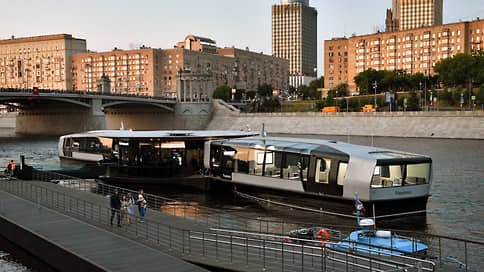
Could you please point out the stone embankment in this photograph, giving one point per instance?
(432, 124)
(7, 120)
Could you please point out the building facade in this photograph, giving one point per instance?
(132, 72)
(294, 37)
(42, 61)
(410, 51)
(409, 14)
(152, 72)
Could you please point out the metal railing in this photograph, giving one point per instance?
(231, 250)
(442, 249)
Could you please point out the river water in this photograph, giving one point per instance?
(456, 207)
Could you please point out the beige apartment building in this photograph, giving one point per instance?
(129, 71)
(294, 37)
(411, 51)
(409, 14)
(152, 72)
(42, 61)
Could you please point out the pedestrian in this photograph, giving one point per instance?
(10, 167)
(141, 192)
(142, 206)
(131, 203)
(124, 207)
(115, 207)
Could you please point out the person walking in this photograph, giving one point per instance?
(131, 204)
(11, 168)
(115, 207)
(124, 207)
(141, 206)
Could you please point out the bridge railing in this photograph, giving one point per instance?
(230, 250)
(53, 91)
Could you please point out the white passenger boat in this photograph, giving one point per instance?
(126, 155)
(394, 181)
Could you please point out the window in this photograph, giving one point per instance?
(292, 166)
(273, 164)
(386, 176)
(323, 167)
(341, 173)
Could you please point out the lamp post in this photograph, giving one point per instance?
(420, 84)
(425, 94)
(375, 85)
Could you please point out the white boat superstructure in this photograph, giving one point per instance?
(324, 168)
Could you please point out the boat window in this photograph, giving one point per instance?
(292, 167)
(323, 167)
(215, 156)
(418, 174)
(241, 158)
(273, 164)
(341, 173)
(385, 176)
(257, 162)
(305, 167)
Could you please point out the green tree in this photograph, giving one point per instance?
(317, 83)
(461, 69)
(341, 90)
(223, 92)
(265, 90)
(412, 101)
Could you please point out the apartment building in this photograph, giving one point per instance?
(42, 61)
(134, 72)
(152, 72)
(412, 51)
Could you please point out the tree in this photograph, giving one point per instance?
(461, 69)
(412, 102)
(317, 83)
(307, 92)
(265, 90)
(340, 91)
(223, 92)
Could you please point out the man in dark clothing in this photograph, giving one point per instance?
(115, 207)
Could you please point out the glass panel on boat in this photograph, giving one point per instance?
(273, 164)
(341, 172)
(292, 167)
(385, 176)
(323, 167)
(257, 162)
(305, 167)
(418, 174)
(241, 158)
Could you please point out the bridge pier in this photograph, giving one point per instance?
(54, 118)
(190, 116)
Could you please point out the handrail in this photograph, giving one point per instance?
(349, 246)
(174, 237)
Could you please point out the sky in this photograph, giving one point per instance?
(106, 24)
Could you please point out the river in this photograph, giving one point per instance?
(456, 207)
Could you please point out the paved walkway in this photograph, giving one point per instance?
(105, 249)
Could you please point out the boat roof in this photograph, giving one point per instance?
(309, 146)
(165, 134)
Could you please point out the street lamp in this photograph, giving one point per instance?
(375, 85)
(420, 84)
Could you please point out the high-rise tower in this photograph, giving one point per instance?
(408, 14)
(294, 37)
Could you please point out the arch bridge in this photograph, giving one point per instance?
(61, 112)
